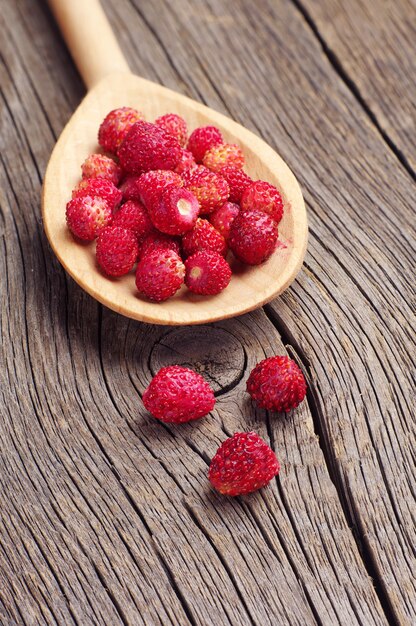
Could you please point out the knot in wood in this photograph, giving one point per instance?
(212, 352)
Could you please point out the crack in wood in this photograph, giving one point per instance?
(334, 469)
(353, 87)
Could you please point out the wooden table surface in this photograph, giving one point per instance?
(106, 516)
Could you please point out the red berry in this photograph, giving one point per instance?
(130, 188)
(223, 217)
(87, 215)
(202, 139)
(189, 173)
(101, 166)
(83, 184)
(277, 383)
(174, 125)
(253, 237)
(117, 250)
(178, 394)
(203, 236)
(160, 274)
(151, 185)
(134, 216)
(237, 180)
(242, 464)
(220, 156)
(263, 197)
(159, 241)
(101, 188)
(176, 212)
(186, 163)
(116, 126)
(210, 189)
(207, 273)
(148, 147)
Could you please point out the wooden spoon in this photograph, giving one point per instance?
(111, 85)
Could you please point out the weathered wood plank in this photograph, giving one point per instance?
(359, 295)
(342, 123)
(106, 515)
(373, 45)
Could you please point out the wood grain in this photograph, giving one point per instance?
(372, 45)
(90, 39)
(106, 515)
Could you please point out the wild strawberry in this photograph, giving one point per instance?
(116, 250)
(159, 241)
(202, 139)
(116, 126)
(203, 236)
(220, 156)
(186, 163)
(277, 383)
(174, 125)
(264, 197)
(83, 184)
(237, 181)
(134, 216)
(130, 188)
(159, 274)
(253, 237)
(188, 174)
(101, 166)
(151, 185)
(148, 147)
(210, 189)
(207, 273)
(178, 394)
(176, 212)
(101, 188)
(242, 464)
(223, 217)
(87, 215)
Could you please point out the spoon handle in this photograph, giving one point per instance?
(90, 39)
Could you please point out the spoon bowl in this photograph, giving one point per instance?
(250, 287)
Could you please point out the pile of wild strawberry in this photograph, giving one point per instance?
(244, 462)
(172, 203)
(175, 205)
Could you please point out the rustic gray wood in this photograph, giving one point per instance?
(106, 515)
(372, 46)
